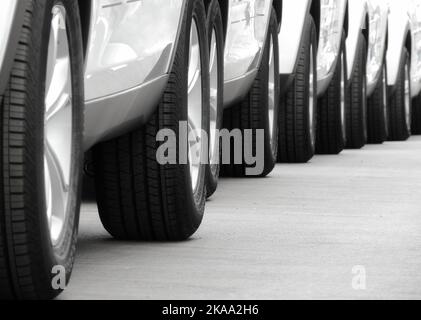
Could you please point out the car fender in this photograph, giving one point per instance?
(399, 27)
(333, 17)
(415, 23)
(358, 11)
(131, 48)
(130, 43)
(247, 29)
(11, 19)
(377, 42)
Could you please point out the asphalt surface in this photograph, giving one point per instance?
(299, 234)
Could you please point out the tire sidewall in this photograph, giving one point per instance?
(313, 53)
(407, 64)
(214, 23)
(262, 91)
(398, 127)
(344, 73)
(362, 58)
(193, 207)
(62, 254)
(357, 116)
(385, 99)
(272, 151)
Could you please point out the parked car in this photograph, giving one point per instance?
(298, 81)
(248, 92)
(332, 75)
(377, 104)
(400, 44)
(115, 78)
(313, 76)
(415, 22)
(140, 77)
(357, 48)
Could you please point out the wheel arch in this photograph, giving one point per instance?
(346, 20)
(85, 7)
(223, 4)
(366, 28)
(408, 42)
(399, 39)
(315, 13)
(277, 5)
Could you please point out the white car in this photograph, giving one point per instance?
(332, 74)
(377, 93)
(357, 48)
(406, 19)
(323, 63)
(114, 77)
(403, 66)
(415, 22)
(312, 33)
(298, 80)
(251, 85)
(351, 68)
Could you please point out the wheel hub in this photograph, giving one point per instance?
(214, 77)
(312, 93)
(273, 127)
(364, 105)
(58, 127)
(385, 98)
(195, 105)
(408, 115)
(343, 97)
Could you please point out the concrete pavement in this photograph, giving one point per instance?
(295, 235)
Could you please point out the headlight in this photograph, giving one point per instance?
(330, 36)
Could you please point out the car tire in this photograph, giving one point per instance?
(377, 111)
(298, 106)
(416, 115)
(356, 111)
(216, 62)
(257, 112)
(331, 124)
(140, 198)
(41, 153)
(400, 103)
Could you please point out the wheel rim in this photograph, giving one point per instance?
(343, 96)
(364, 105)
(58, 131)
(273, 129)
(312, 121)
(407, 98)
(195, 105)
(214, 76)
(385, 111)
